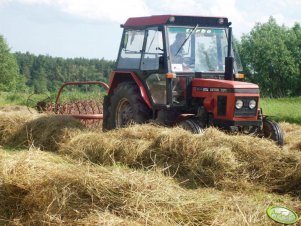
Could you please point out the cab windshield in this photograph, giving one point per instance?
(204, 49)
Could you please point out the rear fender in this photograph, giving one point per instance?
(123, 76)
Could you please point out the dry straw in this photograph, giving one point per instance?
(212, 159)
(39, 187)
(293, 135)
(10, 122)
(108, 181)
(17, 108)
(45, 132)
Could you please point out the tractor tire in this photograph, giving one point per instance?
(125, 106)
(192, 125)
(272, 130)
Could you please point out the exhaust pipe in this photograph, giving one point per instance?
(229, 60)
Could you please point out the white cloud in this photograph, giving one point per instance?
(242, 13)
(120, 10)
(227, 8)
(280, 19)
(3, 2)
(112, 10)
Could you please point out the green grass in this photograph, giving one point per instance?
(7, 98)
(280, 109)
(283, 109)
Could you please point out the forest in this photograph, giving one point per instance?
(45, 73)
(270, 55)
(26, 72)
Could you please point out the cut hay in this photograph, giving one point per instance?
(250, 208)
(10, 122)
(40, 188)
(45, 132)
(106, 218)
(292, 135)
(18, 108)
(212, 159)
(142, 175)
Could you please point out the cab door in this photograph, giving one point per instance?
(152, 65)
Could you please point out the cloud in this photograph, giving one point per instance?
(227, 8)
(112, 10)
(119, 10)
(242, 13)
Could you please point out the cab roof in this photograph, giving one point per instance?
(176, 20)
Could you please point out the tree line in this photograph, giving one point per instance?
(30, 73)
(270, 55)
(45, 73)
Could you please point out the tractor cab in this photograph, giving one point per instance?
(181, 70)
(166, 52)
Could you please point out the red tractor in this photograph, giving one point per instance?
(183, 70)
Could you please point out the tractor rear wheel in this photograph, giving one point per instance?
(272, 130)
(126, 107)
(192, 125)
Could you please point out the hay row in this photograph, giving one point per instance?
(40, 188)
(213, 159)
(19, 130)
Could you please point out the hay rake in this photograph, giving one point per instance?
(90, 112)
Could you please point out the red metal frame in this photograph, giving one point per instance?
(138, 82)
(80, 116)
(210, 98)
(146, 21)
(157, 20)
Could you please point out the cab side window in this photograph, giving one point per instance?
(153, 49)
(131, 51)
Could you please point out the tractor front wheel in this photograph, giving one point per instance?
(125, 107)
(272, 130)
(193, 125)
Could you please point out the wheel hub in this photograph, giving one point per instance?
(124, 113)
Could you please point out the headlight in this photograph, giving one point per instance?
(239, 103)
(252, 104)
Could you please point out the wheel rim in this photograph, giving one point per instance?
(192, 126)
(124, 113)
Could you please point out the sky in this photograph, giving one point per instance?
(91, 28)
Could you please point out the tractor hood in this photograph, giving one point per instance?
(216, 85)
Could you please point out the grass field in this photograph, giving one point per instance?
(283, 109)
(8, 99)
(13, 98)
